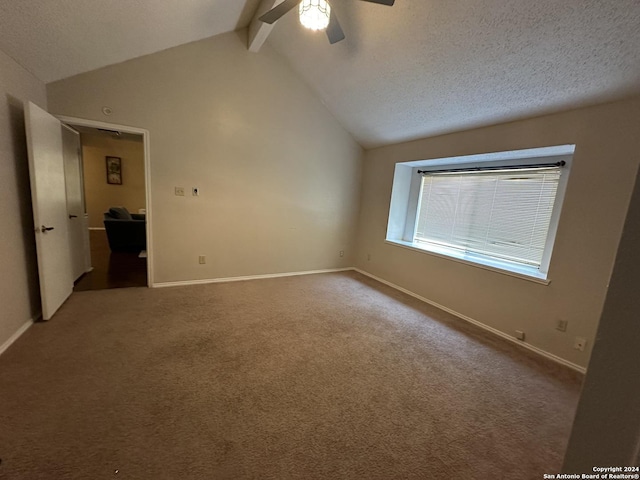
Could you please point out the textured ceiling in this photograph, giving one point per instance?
(426, 67)
(419, 68)
(61, 38)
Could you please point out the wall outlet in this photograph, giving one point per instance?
(195, 191)
(180, 191)
(342, 253)
(368, 257)
(202, 259)
(520, 335)
(580, 343)
(561, 325)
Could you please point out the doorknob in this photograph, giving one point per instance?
(73, 216)
(44, 229)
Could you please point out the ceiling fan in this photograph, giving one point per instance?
(318, 15)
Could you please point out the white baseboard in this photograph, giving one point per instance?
(495, 331)
(15, 336)
(96, 228)
(251, 277)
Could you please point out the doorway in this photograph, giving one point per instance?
(115, 183)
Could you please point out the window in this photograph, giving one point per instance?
(497, 210)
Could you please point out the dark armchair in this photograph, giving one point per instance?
(126, 232)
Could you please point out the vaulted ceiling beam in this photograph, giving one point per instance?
(259, 31)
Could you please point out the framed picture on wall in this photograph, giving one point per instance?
(114, 170)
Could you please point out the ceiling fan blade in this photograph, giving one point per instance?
(381, 2)
(278, 11)
(334, 30)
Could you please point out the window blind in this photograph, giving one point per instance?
(500, 214)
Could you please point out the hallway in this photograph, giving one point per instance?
(111, 269)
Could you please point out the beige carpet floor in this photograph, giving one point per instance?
(330, 376)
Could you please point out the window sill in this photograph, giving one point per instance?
(523, 273)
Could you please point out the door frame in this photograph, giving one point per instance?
(147, 174)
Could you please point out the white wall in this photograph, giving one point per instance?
(279, 178)
(606, 429)
(19, 291)
(100, 195)
(604, 168)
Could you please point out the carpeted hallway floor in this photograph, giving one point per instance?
(330, 376)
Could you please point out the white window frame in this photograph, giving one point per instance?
(405, 194)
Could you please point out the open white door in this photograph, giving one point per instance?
(46, 171)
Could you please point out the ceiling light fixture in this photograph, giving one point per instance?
(315, 14)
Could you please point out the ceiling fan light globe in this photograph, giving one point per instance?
(314, 14)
